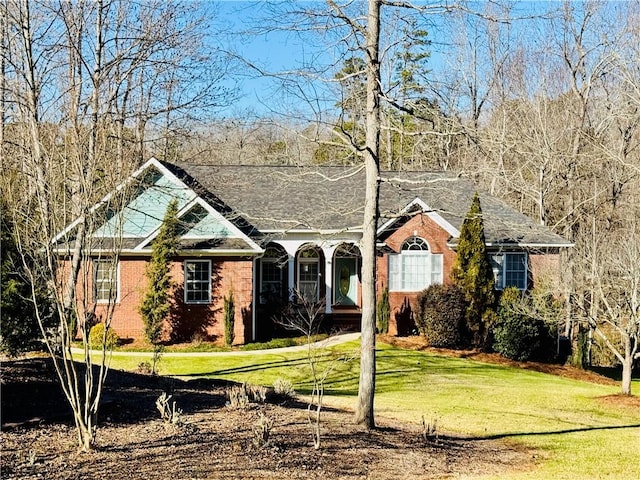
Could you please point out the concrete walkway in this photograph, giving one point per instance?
(327, 342)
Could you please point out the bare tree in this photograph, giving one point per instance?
(305, 317)
(78, 95)
(615, 312)
(560, 139)
(367, 383)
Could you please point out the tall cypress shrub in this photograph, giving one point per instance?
(229, 318)
(156, 304)
(473, 274)
(383, 312)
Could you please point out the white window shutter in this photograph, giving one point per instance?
(437, 268)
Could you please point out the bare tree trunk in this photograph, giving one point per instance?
(367, 384)
(3, 68)
(627, 369)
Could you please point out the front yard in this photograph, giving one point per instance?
(493, 421)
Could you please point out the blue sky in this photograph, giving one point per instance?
(273, 52)
(279, 51)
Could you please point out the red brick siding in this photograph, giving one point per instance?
(227, 272)
(545, 269)
(424, 227)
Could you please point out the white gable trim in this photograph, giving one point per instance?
(106, 198)
(255, 248)
(153, 162)
(431, 213)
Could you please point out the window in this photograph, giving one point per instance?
(510, 270)
(415, 268)
(197, 281)
(308, 273)
(105, 281)
(271, 275)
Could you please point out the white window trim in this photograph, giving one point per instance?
(428, 254)
(104, 301)
(503, 273)
(184, 271)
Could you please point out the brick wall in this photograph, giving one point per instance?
(227, 273)
(545, 271)
(424, 227)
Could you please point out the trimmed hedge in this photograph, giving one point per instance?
(440, 316)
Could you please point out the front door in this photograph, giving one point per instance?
(345, 281)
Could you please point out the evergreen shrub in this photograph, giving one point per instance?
(19, 329)
(440, 315)
(156, 303)
(519, 336)
(383, 312)
(96, 335)
(229, 318)
(472, 272)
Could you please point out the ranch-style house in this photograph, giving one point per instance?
(265, 232)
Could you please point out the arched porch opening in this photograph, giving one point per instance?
(310, 273)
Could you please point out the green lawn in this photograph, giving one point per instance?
(575, 433)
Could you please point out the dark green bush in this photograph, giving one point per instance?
(440, 315)
(517, 335)
(229, 318)
(19, 329)
(383, 312)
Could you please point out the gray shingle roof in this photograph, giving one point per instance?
(278, 198)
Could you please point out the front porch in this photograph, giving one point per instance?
(325, 273)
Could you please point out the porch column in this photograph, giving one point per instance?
(328, 251)
(291, 247)
(291, 275)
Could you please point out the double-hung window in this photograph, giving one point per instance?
(308, 274)
(105, 280)
(510, 270)
(197, 281)
(271, 276)
(415, 267)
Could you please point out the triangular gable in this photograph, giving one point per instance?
(201, 221)
(428, 211)
(140, 220)
(143, 214)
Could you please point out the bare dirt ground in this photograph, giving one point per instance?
(214, 440)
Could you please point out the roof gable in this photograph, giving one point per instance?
(143, 214)
(417, 205)
(138, 222)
